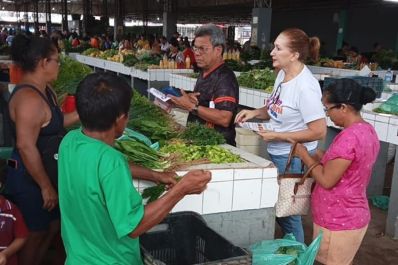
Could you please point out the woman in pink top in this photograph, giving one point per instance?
(339, 204)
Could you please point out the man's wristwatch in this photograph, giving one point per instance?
(195, 109)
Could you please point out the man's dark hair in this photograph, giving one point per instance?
(100, 99)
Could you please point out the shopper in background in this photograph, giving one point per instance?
(102, 212)
(13, 232)
(37, 121)
(188, 52)
(294, 108)
(339, 204)
(216, 93)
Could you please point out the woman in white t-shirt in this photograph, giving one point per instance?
(294, 109)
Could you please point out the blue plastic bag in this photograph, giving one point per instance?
(266, 252)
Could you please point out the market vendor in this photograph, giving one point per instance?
(102, 212)
(215, 98)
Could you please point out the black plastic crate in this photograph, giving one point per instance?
(183, 238)
(376, 83)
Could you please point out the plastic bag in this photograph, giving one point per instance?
(390, 106)
(128, 133)
(295, 253)
(380, 201)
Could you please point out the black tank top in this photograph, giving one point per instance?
(56, 124)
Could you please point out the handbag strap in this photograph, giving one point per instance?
(305, 176)
(290, 158)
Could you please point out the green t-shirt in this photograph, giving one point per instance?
(99, 204)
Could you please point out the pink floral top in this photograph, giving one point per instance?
(345, 206)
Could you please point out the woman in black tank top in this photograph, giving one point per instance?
(38, 125)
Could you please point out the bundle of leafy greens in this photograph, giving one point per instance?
(150, 120)
(199, 134)
(70, 74)
(258, 79)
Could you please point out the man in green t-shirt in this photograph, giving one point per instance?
(102, 213)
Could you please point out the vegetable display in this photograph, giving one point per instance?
(70, 74)
(258, 79)
(141, 154)
(199, 134)
(212, 153)
(151, 120)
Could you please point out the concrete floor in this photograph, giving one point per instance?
(376, 248)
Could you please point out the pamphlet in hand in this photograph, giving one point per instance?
(255, 126)
(158, 94)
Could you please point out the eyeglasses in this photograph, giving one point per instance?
(55, 59)
(337, 106)
(200, 50)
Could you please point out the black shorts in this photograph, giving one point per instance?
(22, 190)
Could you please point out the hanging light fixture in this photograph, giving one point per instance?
(393, 1)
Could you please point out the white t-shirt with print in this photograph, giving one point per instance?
(292, 106)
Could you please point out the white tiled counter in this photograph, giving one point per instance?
(234, 187)
(239, 200)
(182, 81)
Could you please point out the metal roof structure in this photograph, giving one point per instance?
(188, 11)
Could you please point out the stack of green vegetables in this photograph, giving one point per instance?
(258, 79)
(129, 60)
(212, 153)
(150, 120)
(141, 154)
(198, 134)
(70, 74)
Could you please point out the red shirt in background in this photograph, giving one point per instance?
(189, 53)
(15, 74)
(94, 43)
(12, 226)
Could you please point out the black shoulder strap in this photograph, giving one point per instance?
(21, 86)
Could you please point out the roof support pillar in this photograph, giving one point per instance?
(169, 18)
(261, 27)
(119, 19)
(65, 27)
(48, 16)
(36, 16)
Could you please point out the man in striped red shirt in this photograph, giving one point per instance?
(215, 99)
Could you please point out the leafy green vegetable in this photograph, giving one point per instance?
(237, 66)
(213, 153)
(154, 192)
(70, 74)
(151, 120)
(129, 60)
(199, 134)
(258, 79)
(141, 154)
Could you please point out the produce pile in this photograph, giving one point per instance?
(141, 154)
(151, 120)
(205, 153)
(70, 74)
(258, 79)
(197, 134)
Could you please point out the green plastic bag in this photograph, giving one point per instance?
(380, 201)
(390, 106)
(129, 133)
(296, 253)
